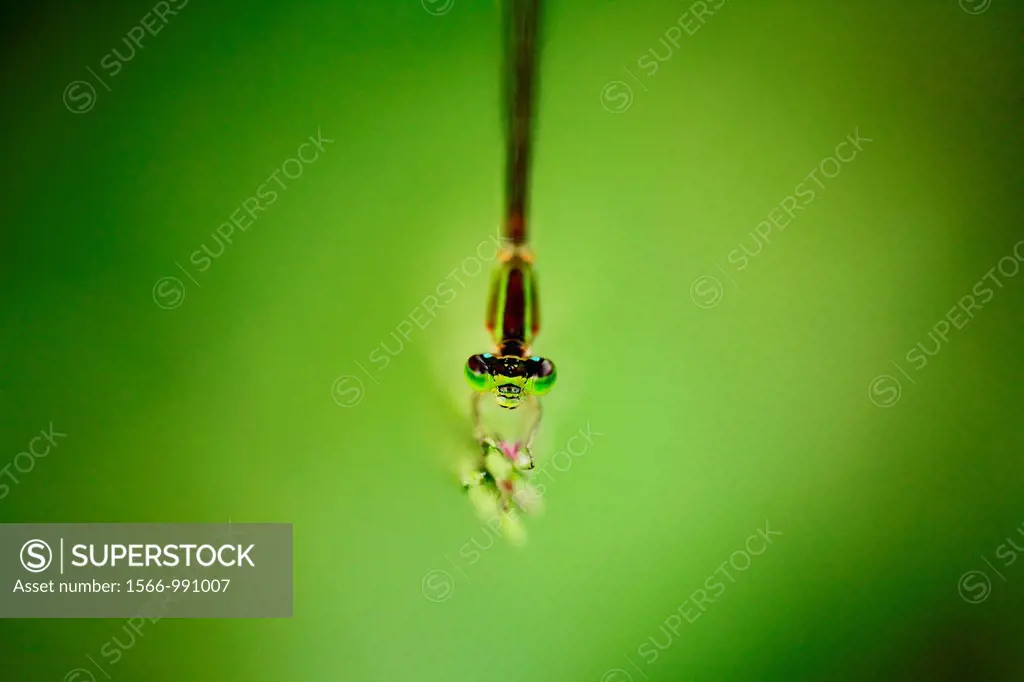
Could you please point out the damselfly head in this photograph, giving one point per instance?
(510, 378)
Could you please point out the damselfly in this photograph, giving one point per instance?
(512, 374)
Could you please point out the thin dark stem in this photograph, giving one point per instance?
(522, 23)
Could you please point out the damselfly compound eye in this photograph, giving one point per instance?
(544, 368)
(478, 374)
(542, 375)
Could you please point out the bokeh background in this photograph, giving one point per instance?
(257, 390)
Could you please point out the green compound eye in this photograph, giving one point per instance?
(478, 374)
(542, 375)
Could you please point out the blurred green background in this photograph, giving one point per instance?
(721, 404)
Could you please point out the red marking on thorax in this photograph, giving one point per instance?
(513, 324)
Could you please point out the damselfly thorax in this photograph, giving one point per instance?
(513, 318)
